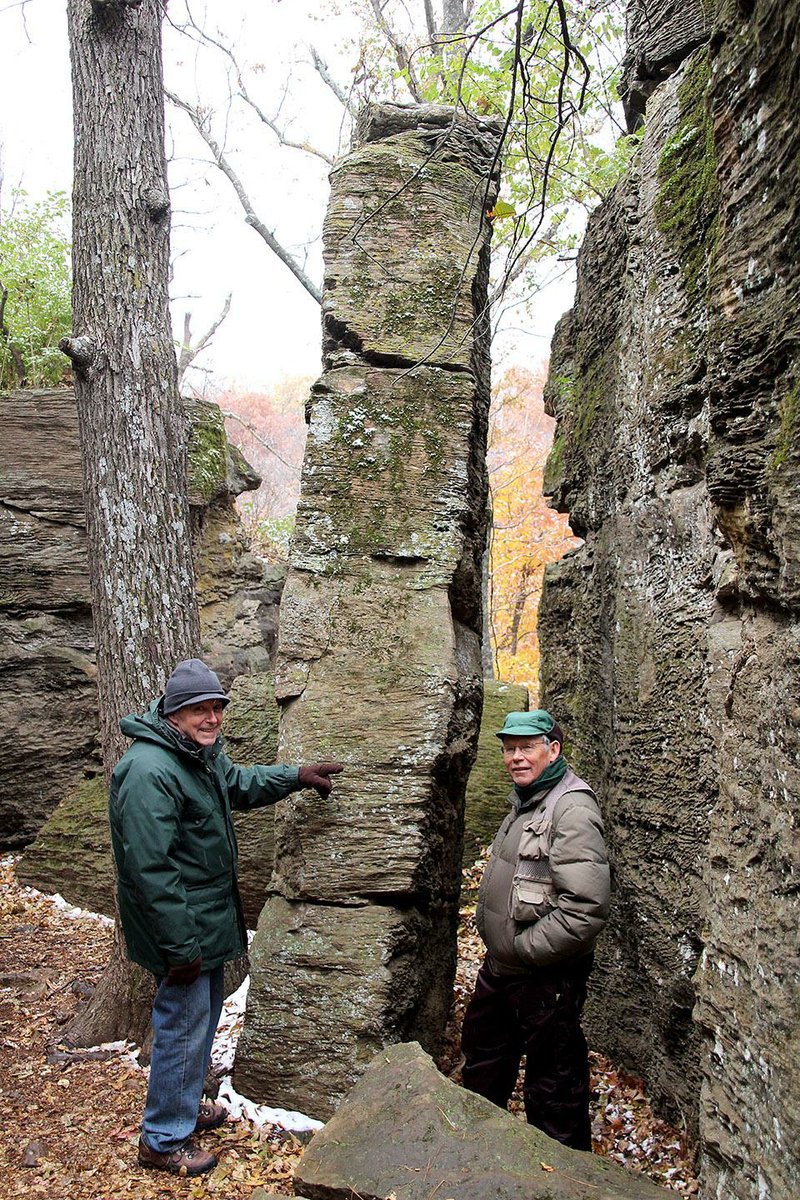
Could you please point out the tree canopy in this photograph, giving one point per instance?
(34, 290)
(547, 68)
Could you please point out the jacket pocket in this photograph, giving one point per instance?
(531, 899)
(532, 892)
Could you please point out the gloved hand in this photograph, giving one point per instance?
(184, 973)
(317, 775)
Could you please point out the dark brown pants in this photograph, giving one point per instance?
(537, 1015)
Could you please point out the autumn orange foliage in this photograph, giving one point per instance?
(526, 534)
(270, 430)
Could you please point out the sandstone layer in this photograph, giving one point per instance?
(380, 658)
(48, 700)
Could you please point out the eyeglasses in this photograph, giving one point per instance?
(527, 749)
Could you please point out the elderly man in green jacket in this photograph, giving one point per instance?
(543, 900)
(174, 843)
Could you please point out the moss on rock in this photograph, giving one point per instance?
(72, 852)
(208, 454)
(789, 412)
(687, 208)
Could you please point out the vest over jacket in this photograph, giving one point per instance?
(545, 892)
(175, 846)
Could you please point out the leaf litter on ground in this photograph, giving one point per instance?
(75, 1119)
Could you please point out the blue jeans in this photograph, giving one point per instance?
(185, 1018)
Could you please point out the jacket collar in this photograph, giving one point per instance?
(151, 726)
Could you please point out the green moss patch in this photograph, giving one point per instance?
(688, 199)
(789, 413)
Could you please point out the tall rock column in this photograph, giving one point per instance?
(380, 628)
(676, 385)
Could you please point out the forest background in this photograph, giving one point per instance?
(261, 104)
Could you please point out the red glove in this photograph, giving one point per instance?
(317, 775)
(184, 973)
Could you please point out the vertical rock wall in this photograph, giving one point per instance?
(47, 667)
(379, 649)
(749, 981)
(623, 621)
(48, 698)
(671, 639)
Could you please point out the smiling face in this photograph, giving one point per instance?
(201, 722)
(526, 758)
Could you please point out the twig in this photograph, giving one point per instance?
(250, 214)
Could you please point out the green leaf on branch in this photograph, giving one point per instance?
(501, 209)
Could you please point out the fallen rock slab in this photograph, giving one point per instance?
(407, 1131)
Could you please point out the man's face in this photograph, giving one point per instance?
(526, 758)
(199, 722)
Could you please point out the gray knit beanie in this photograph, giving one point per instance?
(191, 682)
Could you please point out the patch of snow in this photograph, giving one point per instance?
(222, 1055)
(261, 1114)
(74, 913)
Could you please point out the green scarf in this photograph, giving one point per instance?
(548, 778)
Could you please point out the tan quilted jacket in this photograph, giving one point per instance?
(545, 892)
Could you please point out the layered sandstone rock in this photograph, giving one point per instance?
(380, 657)
(49, 760)
(406, 1131)
(675, 381)
(46, 641)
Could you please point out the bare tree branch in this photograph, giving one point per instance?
(279, 134)
(188, 352)
(251, 429)
(22, 5)
(323, 70)
(430, 20)
(270, 122)
(250, 214)
(401, 51)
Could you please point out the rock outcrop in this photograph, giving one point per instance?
(675, 384)
(380, 657)
(48, 700)
(406, 1131)
(46, 640)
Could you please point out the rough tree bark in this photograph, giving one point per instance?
(132, 427)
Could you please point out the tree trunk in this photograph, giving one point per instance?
(453, 18)
(132, 427)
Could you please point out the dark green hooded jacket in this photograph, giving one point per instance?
(175, 847)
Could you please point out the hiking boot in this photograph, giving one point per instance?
(188, 1160)
(210, 1115)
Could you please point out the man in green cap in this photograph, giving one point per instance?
(543, 900)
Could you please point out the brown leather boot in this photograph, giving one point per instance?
(188, 1160)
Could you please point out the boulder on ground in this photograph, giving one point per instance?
(408, 1132)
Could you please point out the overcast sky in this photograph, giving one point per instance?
(273, 329)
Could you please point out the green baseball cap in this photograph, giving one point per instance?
(530, 724)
